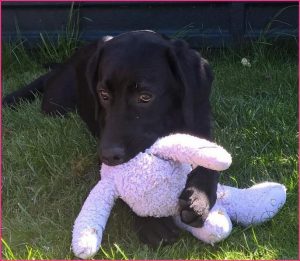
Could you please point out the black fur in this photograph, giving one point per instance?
(178, 80)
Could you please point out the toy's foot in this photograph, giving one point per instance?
(87, 244)
(216, 227)
(254, 205)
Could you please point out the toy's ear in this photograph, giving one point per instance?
(195, 78)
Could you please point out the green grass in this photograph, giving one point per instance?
(50, 164)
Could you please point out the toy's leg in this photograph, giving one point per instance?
(253, 205)
(192, 150)
(216, 227)
(90, 223)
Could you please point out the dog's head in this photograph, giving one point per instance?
(145, 86)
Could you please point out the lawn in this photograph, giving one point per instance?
(50, 164)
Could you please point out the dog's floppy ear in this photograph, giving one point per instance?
(92, 75)
(195, 79)
(92, 72)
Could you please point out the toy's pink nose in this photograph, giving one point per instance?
(112, 156)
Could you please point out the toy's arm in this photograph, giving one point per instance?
(90, 223)
(193, 150)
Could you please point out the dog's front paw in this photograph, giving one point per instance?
(155, 231)
(194, 207)
(87, 244)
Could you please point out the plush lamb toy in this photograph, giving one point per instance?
(152, 182)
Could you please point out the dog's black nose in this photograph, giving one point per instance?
(113, 155)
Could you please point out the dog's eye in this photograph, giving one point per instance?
(144, 98)
(104, 95)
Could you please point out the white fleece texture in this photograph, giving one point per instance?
(151, 185)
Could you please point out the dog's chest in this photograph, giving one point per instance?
(149, 185)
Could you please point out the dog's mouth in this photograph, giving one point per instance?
(114, 154)
(114, 159)
(111, 163)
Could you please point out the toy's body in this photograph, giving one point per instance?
(147, 188)
(151, 184)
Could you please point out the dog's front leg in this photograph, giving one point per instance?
(199, 196)
(155, 231)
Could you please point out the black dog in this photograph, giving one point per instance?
(130, 90)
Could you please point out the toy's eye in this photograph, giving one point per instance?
(104, 95)
(144, 98)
